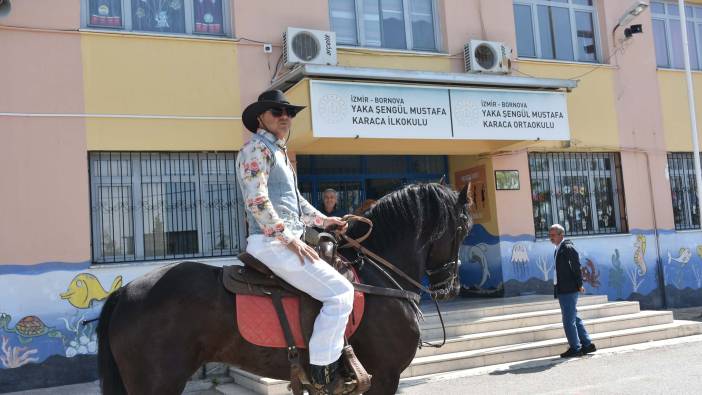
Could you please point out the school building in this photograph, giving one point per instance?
(120, 122)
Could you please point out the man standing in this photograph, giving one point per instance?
(567, 283)
(277, 215)
(330, 200)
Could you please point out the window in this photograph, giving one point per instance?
(556, 29)
(395, 24)
(683, 190)
(204, 17)
(581, 191)
(667, 34)
(148, 206)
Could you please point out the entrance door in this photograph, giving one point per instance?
(360, 177)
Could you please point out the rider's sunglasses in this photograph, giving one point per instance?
(278, 112)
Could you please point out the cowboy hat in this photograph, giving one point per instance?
(266, 101)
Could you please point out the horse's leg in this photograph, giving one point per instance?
(386, 342)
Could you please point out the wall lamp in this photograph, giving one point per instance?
(632, 12)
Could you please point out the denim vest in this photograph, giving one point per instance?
(282, 192)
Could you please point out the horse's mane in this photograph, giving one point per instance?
(417, 212)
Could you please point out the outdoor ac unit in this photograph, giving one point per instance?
(309, 47)
(487, 57)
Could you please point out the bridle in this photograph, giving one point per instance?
(449, 284)
(435, 290)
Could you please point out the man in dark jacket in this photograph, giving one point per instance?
(567, 283)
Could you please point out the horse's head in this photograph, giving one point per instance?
(419, 228)
(442, 262)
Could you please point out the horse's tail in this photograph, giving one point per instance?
(110, 379)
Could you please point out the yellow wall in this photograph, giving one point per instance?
(591, 106)
(148, 75)
(674, 106)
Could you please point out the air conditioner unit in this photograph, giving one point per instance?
(309, 47)
(487, 57)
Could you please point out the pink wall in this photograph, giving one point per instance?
(514, 208)
(44, 14)
(639, 117)
(44, 199)
(266, 21)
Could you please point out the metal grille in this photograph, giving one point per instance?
(150, 206)
(683, 190)
(581, 191)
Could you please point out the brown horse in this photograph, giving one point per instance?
(157, 330)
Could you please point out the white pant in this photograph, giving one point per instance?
(320, 281)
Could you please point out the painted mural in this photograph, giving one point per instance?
(623, 267)
(47, 320)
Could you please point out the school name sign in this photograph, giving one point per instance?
(357, 110)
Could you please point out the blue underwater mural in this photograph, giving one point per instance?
(621, 266)
(47, 320)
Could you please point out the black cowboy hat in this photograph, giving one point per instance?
(266, 101)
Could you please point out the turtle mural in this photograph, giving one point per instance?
(28, 328)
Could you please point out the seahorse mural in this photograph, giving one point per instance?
(639, 253)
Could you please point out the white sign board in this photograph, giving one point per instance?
(379, 111)
(353, 110)
(491, 114)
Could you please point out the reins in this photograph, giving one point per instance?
(364, 252)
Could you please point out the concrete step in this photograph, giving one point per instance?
(545, 332)
(545, 348)
(501, 354)
(519, 320)
(463, 309)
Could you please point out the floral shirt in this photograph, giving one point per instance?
(254, 165)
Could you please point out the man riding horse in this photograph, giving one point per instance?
(276, 216)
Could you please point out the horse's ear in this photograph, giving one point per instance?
(442, 180)
(463, 198)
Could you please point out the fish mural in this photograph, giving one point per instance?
(639, 253)
(684, 256)
(477, 254)
(85, 288)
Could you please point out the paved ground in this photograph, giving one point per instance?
(669, 366)
(672, 367)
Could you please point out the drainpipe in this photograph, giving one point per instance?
(659, 259)
(691, 104)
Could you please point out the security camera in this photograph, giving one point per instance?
(633, 29)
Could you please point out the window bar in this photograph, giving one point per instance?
(211, 202)
(192, 203)
(220, 208)
(200, 202)
(141, 205)
(228, 193)
(101, 208)
(121, 208)
(160, 190)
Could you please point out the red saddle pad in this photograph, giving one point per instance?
(259, 324)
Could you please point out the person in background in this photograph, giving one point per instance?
(330, 206)
(567, 284)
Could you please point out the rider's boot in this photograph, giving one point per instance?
(326, 379)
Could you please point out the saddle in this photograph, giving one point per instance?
(256, 286)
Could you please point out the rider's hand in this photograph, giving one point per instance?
(303, 251)
(582, 290)
(336, 223)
